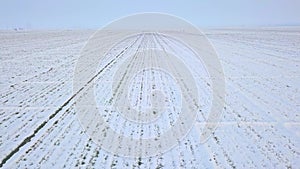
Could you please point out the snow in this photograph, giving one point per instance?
(259, 127)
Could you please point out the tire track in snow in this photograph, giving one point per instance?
(28, 138)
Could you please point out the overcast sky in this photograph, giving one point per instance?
(51, 14)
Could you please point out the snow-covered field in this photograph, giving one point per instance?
(259, 128)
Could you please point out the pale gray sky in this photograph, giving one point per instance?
(51, 14)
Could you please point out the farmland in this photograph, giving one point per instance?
(259, 126)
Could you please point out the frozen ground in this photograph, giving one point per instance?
(260, 125)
